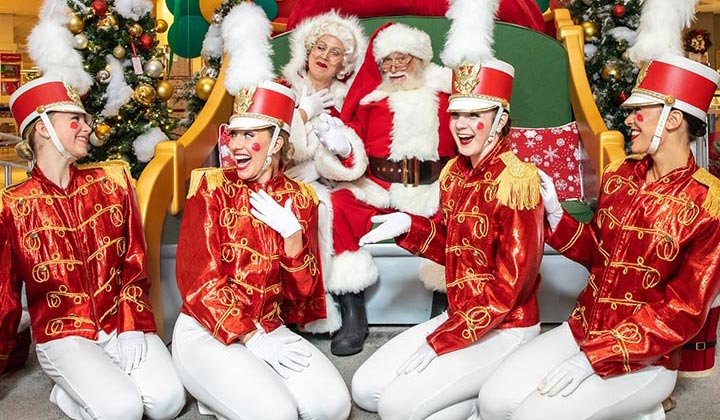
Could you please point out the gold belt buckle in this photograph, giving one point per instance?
(415, 171)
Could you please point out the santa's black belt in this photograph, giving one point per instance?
(699, 345)
(407, 171)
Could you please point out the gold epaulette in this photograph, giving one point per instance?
(214, 177)
(518, 184)
(712, 200)
(308, 191)
(116, 170)
(614, 165)
(446, 168)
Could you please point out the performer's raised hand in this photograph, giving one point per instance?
(314, 104)
(553, 209)
(280, 218)
(331, 136)
(567, 377)
(392, 225)
(419, 360)
(133, 348)
(278, 351)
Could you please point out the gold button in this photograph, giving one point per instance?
(34, 235)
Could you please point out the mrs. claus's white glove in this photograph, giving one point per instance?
(330, 133)
(316, 103)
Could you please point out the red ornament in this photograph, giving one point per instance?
(146, 42)
(99, 8)
(618, 10)
(622, 97)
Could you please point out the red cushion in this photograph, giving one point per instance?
(556, 151)
(520, 12)
(226, 157)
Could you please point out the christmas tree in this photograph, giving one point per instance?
(119, 72)
(609, 27)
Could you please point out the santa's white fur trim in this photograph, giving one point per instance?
(415, 124)
(144, 144)
(351, 273)
(50, 45)
(246, 40)
(432, 275)
(367, 191)
(331, 323)
(403, 39)
(329, 165)
(212, 46)
(118, 92)
(660, 29)
(470, 38)
(133, 9)
(347, 29)
(325, 222)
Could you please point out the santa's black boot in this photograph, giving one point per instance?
(439, 304)
(351, 336)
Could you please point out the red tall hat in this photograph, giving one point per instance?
(40, 96)
(677, 82)
(268, 104)
(481, 87)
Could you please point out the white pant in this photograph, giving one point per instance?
(446, 389)
(511, 392)
(235, 384)
(91, 385)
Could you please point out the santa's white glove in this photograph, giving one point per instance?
(553, 209)
(567, 377)
(281, 219)
(279, 352)
(316, 103)
(133, 348)
(330, 133)
(419, 360)
(303, 172)
(392, 225)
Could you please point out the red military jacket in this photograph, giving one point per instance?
(80, 251)
(489, 236)
(231, 268)
(653, 254)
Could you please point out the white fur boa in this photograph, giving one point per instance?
(133, 9)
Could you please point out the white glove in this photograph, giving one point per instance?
(281, 219)
(316, 103)
(567, 377)
(133, 348)
(419, 360)
(393, 224)
(553, 209)
(279, 352)
(303, 172)
(328, 130)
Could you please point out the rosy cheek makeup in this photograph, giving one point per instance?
(479, 126)
(74, 125)
(639, 118)
(256, 147)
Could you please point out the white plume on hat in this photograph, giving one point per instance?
(470, 38)
(246, 39)
(50, 45)
(347, 29)
(660, 29)
(403, 39)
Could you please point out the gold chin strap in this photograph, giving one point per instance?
(268, 158)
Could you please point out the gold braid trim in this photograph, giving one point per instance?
(214, 177)
(614, 165)
(446, 169)
(308, 191)
(712, 200)
(518, 184)
(115, 170)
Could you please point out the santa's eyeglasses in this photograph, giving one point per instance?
(399, 61)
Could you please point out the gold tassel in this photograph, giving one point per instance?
(518, 184)
(712, 200)
(308, 191)
(115, 170)
(214, 177)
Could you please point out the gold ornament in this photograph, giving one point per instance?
(95, 141)
(161, 26)
(153, 68)
(590, 29)
(164, 90)
(203, 87)
(108, 22)
(136, 30)
(102, 131)
(103, 76)
(119, 52)
(76, 24)
(610, 70)
(625, 56)
(145, 94)
(80, 42)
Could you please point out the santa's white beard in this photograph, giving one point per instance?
(412, 81)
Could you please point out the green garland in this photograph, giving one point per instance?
(608, 91)
(134, 118)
